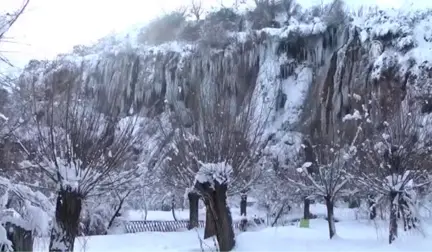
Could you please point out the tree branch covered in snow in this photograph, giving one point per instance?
(395, 154)
(393, 161)
(324, 176)
(215, 133)
(25, 208)
(78, 146)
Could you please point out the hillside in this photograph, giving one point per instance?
(290, 106)
(305, 73)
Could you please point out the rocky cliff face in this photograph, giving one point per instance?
(306, 76)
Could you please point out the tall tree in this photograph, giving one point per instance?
(78, 148)
(217, 130)
(393, 161)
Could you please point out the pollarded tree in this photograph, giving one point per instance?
(104, 206)
(211, 182)
(218, 131)
(78, 148)
(393, 161)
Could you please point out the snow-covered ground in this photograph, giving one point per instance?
(352, 236)
(354, 233)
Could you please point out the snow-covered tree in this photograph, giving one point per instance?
(393, 162)
(320, 163)
(25, 209)
(217, 128)
(9, 121)
(211, 181)
(7, 126)
(80, 149)
(324, 176)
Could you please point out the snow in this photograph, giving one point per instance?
(317, 26)
(214, 172)
(422, 38)
(3, 239)
(70, 172)
(3, 117)
(354, 116)
(399, 183)
(38, 220)
(304, 167)
(352, 236)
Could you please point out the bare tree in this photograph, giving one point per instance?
(325, 176)
(78, 148)
(7, 21)
(196, 9)
(319, 167)
(218, 131)
(393, 162)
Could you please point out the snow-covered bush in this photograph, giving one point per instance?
(23, 208)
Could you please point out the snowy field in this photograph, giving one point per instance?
(352, 235)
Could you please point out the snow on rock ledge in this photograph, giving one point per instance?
(385, 52)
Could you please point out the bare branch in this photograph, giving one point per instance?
(196, 9)
(7, 21)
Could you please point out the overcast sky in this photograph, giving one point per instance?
(50, 27)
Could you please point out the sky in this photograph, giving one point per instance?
(50, 27)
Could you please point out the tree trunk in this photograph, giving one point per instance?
(372, 207)
(243, 206)
(193, 210)
(218, 214)
(224, 227)
(306, 210)
(393, 232)
(210, 224)
(330, 216)
(173, 208)
(66, 222)
(278, 215)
